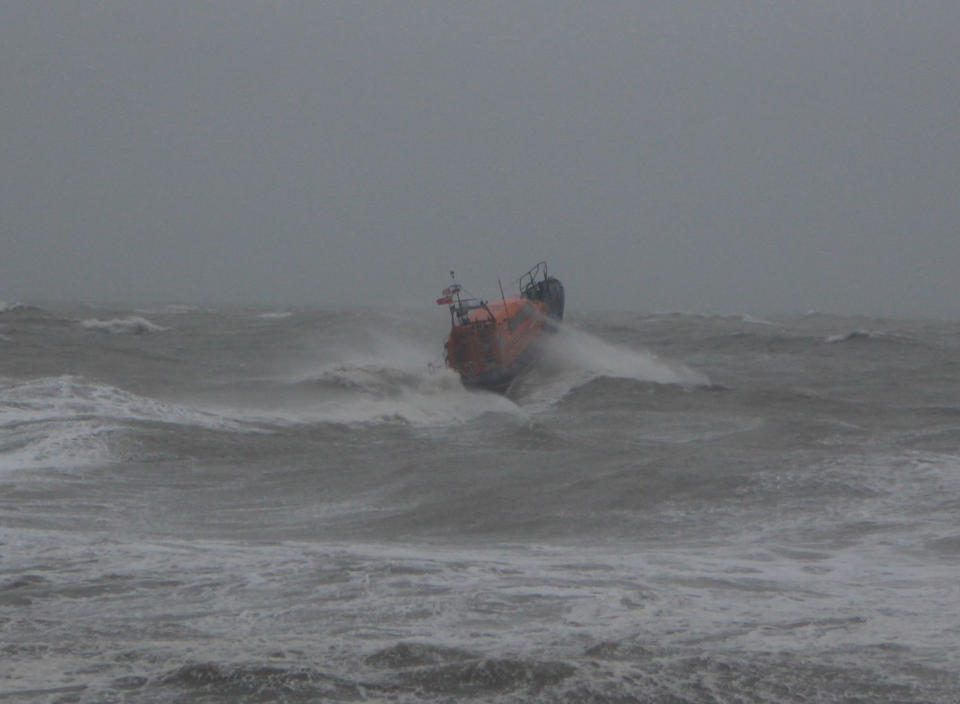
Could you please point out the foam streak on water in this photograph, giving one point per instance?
(249, 506)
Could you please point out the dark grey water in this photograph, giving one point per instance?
(217, 506)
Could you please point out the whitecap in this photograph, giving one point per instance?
(6, 307)
(70, 397)
(753, 320)
(573, 357)
(66, 421)
(373, 394)
(130, 325)
(858, 334)
(580, 351)
(55, 445)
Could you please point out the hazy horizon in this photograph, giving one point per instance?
(724, 157)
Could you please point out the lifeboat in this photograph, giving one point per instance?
(493, 342)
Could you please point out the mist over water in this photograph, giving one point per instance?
(248, 504)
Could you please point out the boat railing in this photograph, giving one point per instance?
(532, 277)
(465, 306)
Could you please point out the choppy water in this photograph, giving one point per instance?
(216, 506)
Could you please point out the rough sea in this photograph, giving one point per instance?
(241, 505)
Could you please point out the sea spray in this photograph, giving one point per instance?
(366, 376)
(573, 357)
(579, 350)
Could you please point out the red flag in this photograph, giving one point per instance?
(445, 301)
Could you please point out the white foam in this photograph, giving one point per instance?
(375, 394)
(381, 378)
(573, 357)
(854, 335)
(346, 601)
(6, 307)
(596, 357)
(276, 315)
(65, 421)
(388, 379)
(72, 398)
(55, 445)
(376, 350)
(131, 325)
(753, 320)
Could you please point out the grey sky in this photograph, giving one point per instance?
(709, 156)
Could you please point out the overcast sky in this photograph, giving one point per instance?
(700, 156)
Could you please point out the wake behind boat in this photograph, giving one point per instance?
(492, 342)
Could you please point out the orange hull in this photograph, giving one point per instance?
(490, 343)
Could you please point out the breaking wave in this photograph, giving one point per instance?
(864, 335)
(365, 393)
(55, 445)
(396, 380)
(754, 320)
(366, 378)
(854, 335)
(574, 358)
(388, 379)
(74, 398)
(131, 325)
(67, 421)
(6, 307)
(594, 357)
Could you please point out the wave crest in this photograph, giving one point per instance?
(18, 307)
(863, 335)
(67, 421)
(573, 358)
(368, 392)
(130, 325)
